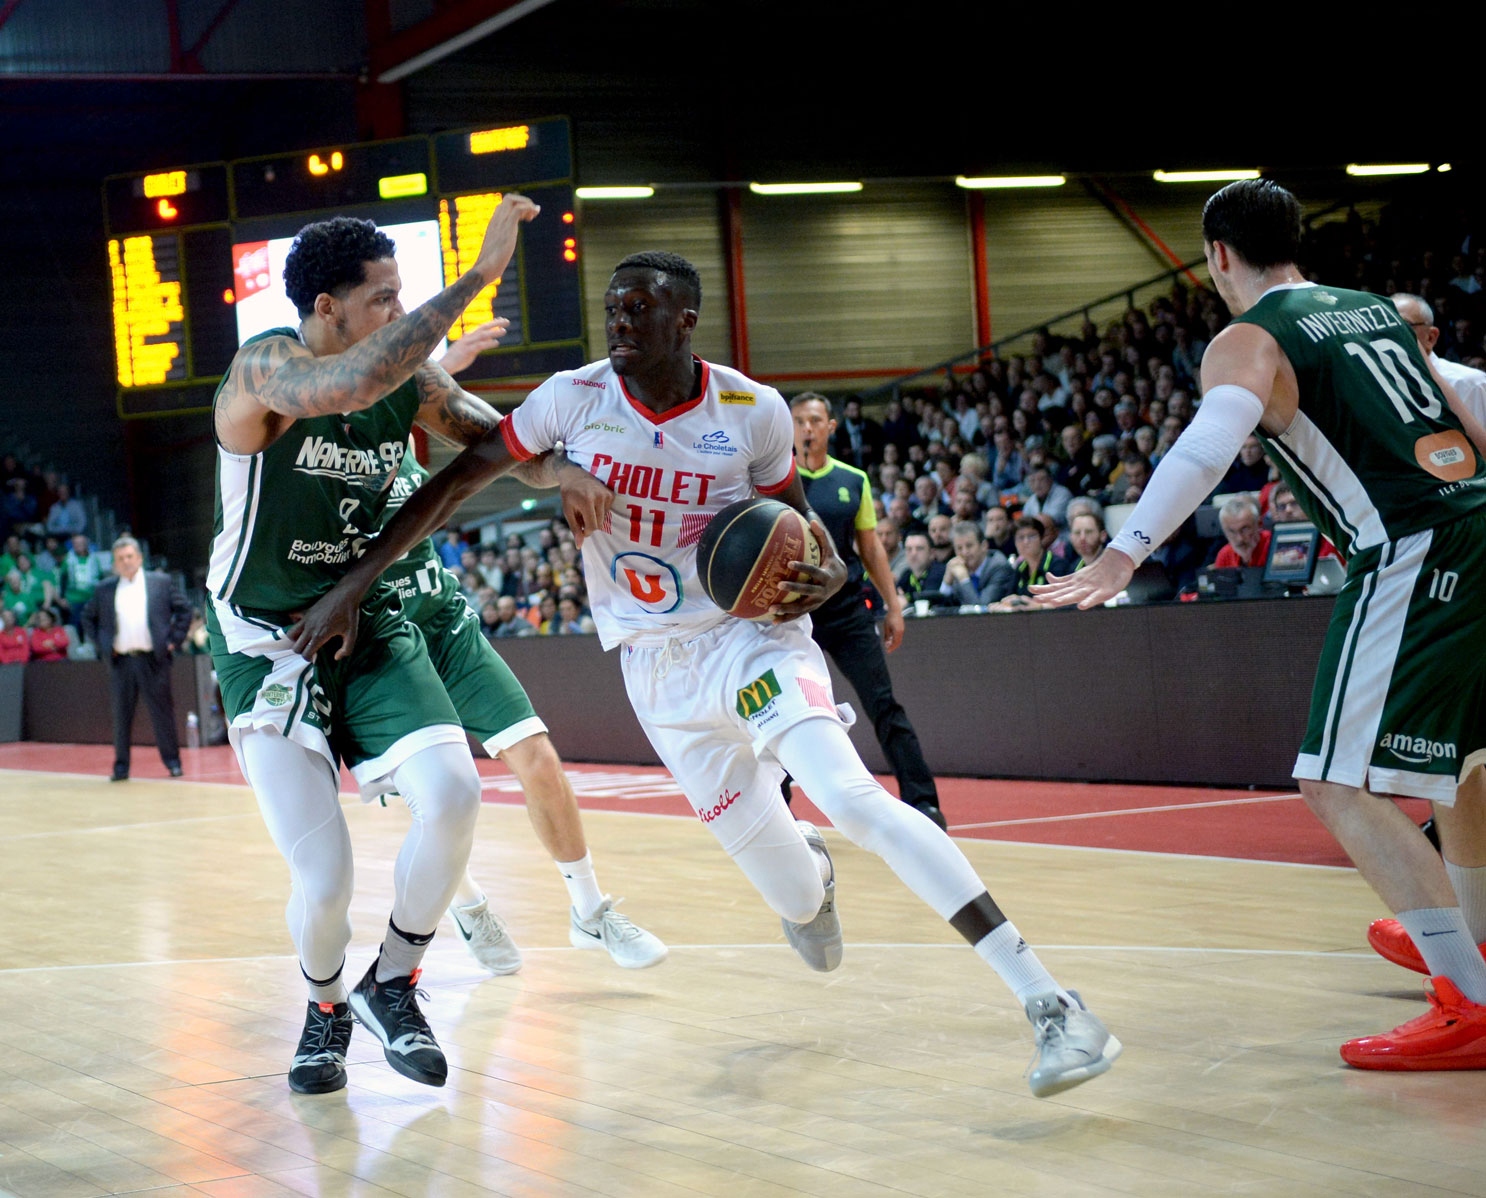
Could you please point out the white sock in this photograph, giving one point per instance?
(1448, 949)
(823, 863)
(333, 990)
(469, 893)
(1009, 955)
(1470, 888)
(583, 888)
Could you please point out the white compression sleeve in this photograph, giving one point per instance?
(1191, 469)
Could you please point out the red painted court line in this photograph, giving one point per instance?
(1263, 826)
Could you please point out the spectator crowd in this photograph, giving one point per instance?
(48, 566)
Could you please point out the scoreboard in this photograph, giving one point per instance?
(195, 252)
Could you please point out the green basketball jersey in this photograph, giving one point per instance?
(422, 583)
(1374, 444)
(291, 518)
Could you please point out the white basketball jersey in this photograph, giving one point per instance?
(670, 472)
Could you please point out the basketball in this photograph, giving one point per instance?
(744, 556)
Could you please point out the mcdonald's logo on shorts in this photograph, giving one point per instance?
(758, 694)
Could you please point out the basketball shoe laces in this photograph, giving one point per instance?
(410, 1020)
(320, 1044)
(1050, 1032)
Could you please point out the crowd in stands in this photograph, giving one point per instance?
(986, 485)
(522, 589)
(992, 482)
(48, 566)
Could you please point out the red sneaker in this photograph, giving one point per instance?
(1451, 1035)
(1392, 943)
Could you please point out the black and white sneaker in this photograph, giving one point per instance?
(320, 1061)
(389, 1010)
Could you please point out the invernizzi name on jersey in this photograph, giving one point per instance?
(652, 482)
(320, 455)
(1320, 325)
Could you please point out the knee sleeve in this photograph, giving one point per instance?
(782, 868)
(442, 790)
(440, 786)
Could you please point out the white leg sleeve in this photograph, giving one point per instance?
(442, 790)
(297, 794)
(820, 757)
(782, 867)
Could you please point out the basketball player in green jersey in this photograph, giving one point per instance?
(494, 709)
(1355, 417)
(300, 490)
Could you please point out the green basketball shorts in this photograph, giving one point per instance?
(375, 709)
(1399, 704)
(492, 704)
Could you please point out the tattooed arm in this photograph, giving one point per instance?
(276, 381)
(456, 417)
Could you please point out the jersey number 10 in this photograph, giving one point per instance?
(1391, 358)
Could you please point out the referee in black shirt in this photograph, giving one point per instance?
(843, 627)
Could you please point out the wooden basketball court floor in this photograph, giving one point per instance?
(149, 1005)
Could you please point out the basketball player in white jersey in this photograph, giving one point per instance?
(725, 702)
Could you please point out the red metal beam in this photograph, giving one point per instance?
(393, 49)
(6, 9)
(732, 231)
(192, 58)
(173, 28)
(981, 268)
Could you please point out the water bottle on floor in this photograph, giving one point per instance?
(193, 730)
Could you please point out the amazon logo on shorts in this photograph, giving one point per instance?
(758, 694)
(1416, 750)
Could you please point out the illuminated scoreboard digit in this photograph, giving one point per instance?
(178, 238)
(149, 317)
(462, 222)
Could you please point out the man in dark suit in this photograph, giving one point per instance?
(137, 618)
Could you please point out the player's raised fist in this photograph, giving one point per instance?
(499, 245)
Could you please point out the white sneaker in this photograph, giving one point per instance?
(487, 939)
(1072, 1044)
(631, 946)
(819, 941)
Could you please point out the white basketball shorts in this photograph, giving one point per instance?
(713, 705)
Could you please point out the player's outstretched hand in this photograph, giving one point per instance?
(499, 245)
(818, 583)
(586, 502)
(461, 354)
(1090, 587)
(337, 613)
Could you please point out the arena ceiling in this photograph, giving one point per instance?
(719, 89)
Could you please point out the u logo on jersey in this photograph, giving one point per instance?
(653, 584)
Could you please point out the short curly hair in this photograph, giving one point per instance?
(675, 268)
(330, 256)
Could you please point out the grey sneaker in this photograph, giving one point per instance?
(1072, 1044)
(631, 946)
(819, 941)
(486, 937)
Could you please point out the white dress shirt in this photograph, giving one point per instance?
(132, 633)
(1469, 384)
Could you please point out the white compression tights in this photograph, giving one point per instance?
(297, 794)
(820, 757)
(442, 790)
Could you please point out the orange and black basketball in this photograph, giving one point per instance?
(744, 556)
